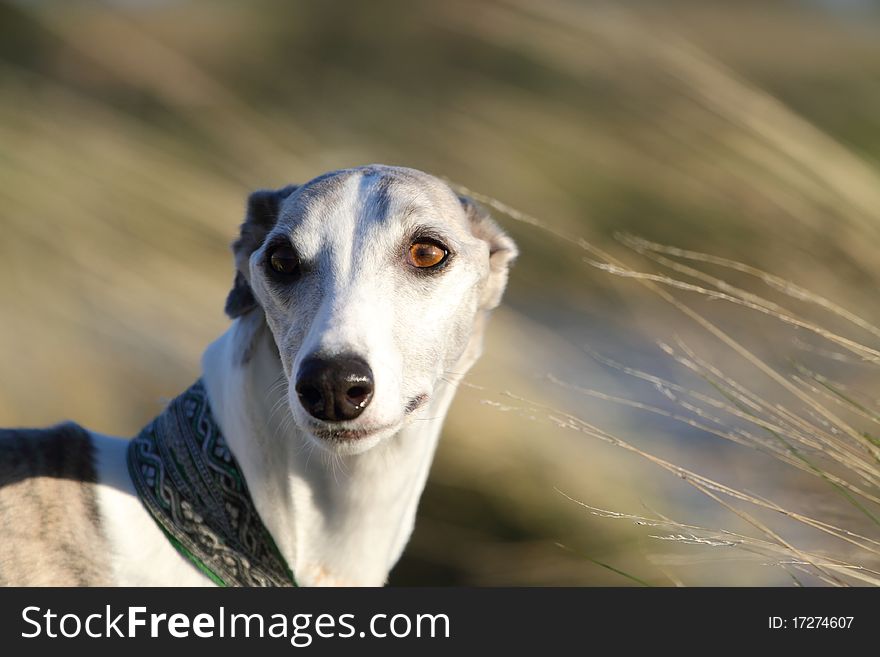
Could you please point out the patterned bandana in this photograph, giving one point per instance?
(190, 483)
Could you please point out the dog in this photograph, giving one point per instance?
(359, 302)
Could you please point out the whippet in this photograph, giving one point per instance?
(359, 302)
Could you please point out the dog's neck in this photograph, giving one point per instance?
(338, 520)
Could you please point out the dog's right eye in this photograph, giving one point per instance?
(283, 260)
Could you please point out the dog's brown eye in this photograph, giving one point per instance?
(284, 260)
(426, 254)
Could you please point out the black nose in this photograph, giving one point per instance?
(334, 389)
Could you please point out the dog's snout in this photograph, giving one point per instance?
(334, 389)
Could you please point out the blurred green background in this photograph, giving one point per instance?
(131, 133)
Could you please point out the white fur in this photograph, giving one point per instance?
(340, 512)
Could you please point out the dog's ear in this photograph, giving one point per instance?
(502, 250)
(262, 213)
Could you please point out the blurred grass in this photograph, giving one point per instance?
(131, 132)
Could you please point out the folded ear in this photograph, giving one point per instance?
(262, 213)
(502, 250)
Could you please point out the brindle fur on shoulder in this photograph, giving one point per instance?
(51, 530)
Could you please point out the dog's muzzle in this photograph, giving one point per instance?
(334, 389)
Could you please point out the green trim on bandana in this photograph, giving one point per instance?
(193, 488)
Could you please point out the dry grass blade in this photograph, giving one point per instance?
(784, 454)
(834, 391)
(775, 282)
(705, 485)
(825, 440)
(828, 433)
(701, 536)
(610, 263)
(867, 353)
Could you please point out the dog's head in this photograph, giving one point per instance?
(375, 283)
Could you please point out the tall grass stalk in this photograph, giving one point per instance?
(805, 433)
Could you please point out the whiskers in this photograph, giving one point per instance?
(433, 418)
(456, 378)
(284, 424)
(337, 465)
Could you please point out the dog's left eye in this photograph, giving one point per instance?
(283, 260)
(424, 254)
